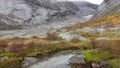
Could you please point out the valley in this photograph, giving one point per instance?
(71, 35)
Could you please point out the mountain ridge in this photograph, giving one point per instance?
(29, 12)
(108, 7)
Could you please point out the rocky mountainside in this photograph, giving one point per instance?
(29, 12)
(108, 7)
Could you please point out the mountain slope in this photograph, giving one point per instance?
(107, 16)
(108, 7)
(28, 12)
(101, 22)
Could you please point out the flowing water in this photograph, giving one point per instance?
(59, 60)
(54, 62)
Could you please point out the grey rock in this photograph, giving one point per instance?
(102, 31)
(29, 12)
(95, 65)
(18, 14)
(87, 30)
(108, 7)
(104, 64)
(77, 59)
(28, 61)
(4, 58)
(116, 29)
(70, 37)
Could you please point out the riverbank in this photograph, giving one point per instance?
(15, 48)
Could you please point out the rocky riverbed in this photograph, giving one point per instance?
(58, 60)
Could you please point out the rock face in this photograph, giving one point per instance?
(77, 59)
(71, 37)
(28, 61)
(4, 58)
(29, 12)
(108, 7)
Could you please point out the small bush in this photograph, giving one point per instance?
(35, 37)
(52, 34)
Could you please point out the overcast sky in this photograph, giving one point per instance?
(92, 1)
(95, 1)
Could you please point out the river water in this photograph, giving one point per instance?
(59, 60)
(54, 62)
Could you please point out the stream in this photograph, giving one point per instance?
(54, 62)
(59, 60)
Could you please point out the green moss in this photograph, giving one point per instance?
(10, 55)
(88, 55)
(6, 54)
(96, 56)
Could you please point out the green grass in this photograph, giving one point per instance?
(10, 55)
(6, 54)
(96, 56)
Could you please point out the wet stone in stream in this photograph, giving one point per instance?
(78, 59)
(28, 61)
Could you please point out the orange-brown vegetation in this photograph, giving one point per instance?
(106, 21)
(112, 46)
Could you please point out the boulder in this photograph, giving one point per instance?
(104, 64)
(4, 58)
(52, 34)
(101, 64)
(102, 30)
(77, 59)
(95, 65)
(116, 29)
(28, 61)
(87, 30)
(70, 37)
